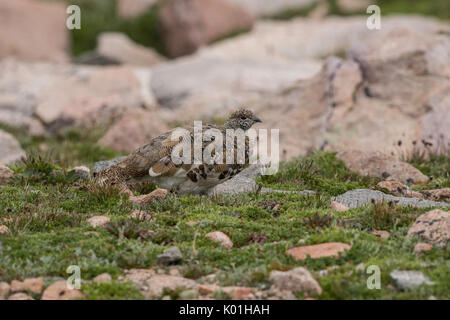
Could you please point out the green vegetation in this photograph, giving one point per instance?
(321, 171)
(47, 219)
(101, 16)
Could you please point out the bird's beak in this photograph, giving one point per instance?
(256, 119)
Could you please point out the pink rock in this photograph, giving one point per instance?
(190, 24)
(338, 206)
(24, 30)
(98, 221)
(381, 234)
(133, 130)
(330, 249)
(4, 229)
(20, 296)
(221, 238)
(433, 227)
(31, 284)
(421, 247)
(59, 291)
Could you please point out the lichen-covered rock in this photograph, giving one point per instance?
(433, 227)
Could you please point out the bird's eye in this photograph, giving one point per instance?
(243, 118)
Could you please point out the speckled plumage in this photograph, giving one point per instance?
(153, 162)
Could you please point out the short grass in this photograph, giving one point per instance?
(47, 218)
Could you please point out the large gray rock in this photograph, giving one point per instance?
(170, 256)
(409, 279)
(242, 183)
(102, 165)
(360, 197)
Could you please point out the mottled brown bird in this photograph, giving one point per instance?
(154, 162)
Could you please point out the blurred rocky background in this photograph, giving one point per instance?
(311, 68)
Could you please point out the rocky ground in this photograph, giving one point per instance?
(364, 142)
(257, 244)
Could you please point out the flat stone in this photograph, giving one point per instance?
(409, 279)
(360, 197)
(329, 249)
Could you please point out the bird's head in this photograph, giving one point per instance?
(242, 119)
